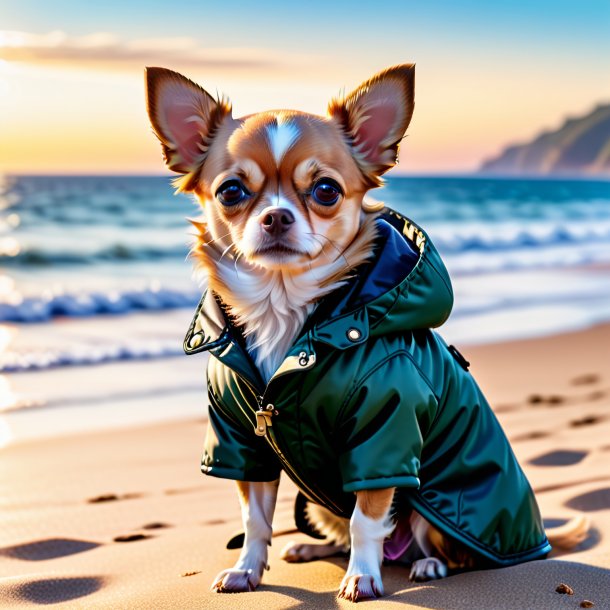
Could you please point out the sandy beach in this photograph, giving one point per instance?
(124, 519)
(125, 125)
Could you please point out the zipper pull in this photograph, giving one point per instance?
(263, 419)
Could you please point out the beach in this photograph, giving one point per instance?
(122, 517)
(284, 161)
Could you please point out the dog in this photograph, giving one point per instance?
(317, 316)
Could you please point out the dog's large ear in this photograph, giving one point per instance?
(185, 118)
(375, 117)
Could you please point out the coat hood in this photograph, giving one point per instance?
(404, 286)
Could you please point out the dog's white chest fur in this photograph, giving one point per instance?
(271, 307)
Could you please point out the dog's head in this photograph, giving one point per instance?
(285, 189)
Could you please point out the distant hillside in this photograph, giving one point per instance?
(579, 146)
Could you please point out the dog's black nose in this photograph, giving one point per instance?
(277, 220)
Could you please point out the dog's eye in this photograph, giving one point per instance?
(232, 192)
(326, 192)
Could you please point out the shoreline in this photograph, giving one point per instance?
(118, 410)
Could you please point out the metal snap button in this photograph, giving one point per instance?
(353, 334)
(303, 359)
(195, 341)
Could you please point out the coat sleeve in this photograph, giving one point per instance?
(233, 451)
(381, 426)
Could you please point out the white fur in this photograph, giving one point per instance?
(367, 536)
(272, 305)
(282, 136)
(257, 513)
(257, 508)
(280, 201)
(428, 568)
(273, 309)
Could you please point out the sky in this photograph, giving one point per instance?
(488, 73)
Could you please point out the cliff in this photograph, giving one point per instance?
(581, 146)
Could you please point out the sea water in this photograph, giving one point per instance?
(94, 276)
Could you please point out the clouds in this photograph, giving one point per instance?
(104, 50)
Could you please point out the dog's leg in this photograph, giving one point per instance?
(257, 506)
(335, 529)
(440, 553)
(369, 526)
(429, 567)
(300, 553)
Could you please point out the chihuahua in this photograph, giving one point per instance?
(288, 223)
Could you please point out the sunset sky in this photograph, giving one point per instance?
(488, 73)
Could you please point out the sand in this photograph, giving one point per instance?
(552, 396)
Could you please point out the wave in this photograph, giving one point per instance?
(46, 307)
(481, 237)
(558, 257)
(15, 362)
(39, 257)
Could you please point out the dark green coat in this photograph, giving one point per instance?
(368, 398)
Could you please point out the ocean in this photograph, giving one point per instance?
(96, 292)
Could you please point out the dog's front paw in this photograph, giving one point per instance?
(236, 581)
(360, 586)
(429, 568)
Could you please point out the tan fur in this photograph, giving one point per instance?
(243, 492)
(352, 111)
(434, 543)
(335, 529)
(375, 503)
(209, 113)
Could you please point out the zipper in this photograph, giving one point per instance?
(264, 425)
(264, 415)
(263, 418)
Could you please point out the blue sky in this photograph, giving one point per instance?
(277, 24)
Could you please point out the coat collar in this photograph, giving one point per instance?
(211, 330)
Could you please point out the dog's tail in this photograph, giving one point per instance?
(570, 534)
